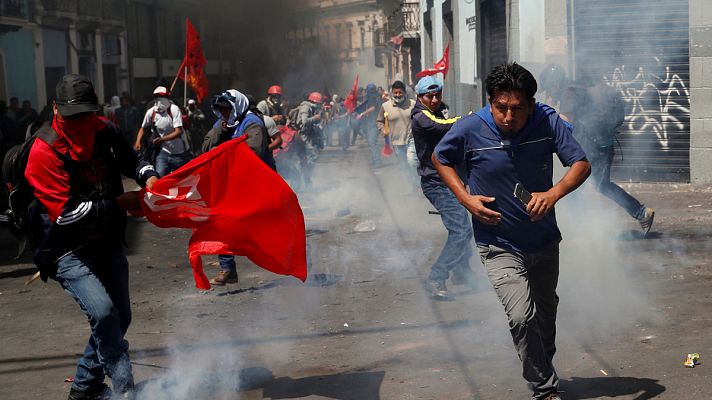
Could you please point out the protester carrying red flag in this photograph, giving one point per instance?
(352, 98)
(236, 205)
(236, 119)
(194, 63)
(76, 228)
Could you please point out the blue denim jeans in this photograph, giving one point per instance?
(98, 280)
(601, 160)
(456, 254)
(401, 152)
(372, 138)
(227, 262)
(167, 163)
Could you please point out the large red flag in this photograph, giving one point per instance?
(352, 98)
(195, 62)
(235, 204)
(441, 66)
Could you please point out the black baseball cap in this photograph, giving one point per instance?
(76, 95)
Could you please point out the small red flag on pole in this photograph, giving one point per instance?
(194, 63)
(352, 98)
(441, 66)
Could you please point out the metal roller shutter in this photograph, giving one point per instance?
(641, 47)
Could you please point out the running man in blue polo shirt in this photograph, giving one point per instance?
(511, 142)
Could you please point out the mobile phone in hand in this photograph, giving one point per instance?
(522, 194)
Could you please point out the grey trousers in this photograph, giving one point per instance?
(526, 285)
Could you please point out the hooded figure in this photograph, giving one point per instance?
(235, 119)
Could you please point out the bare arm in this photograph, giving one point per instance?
(368, 111)
(139, 137)
(275, 141)
(473, 203)
(173, 135)
(381, 120)
(543, 202)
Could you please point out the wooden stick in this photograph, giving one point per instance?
(35, 277)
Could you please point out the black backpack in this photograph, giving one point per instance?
(21, 196)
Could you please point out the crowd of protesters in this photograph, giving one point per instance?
(469, 169)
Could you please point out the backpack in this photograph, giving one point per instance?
(21, 198)
(293, 117)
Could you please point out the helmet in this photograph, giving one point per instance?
(552, 77)
(315, 97)
(274, 89)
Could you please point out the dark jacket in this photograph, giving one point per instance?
(428, 129)
(77, 205)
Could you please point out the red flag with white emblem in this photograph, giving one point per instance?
(441, 67)
(235, 204)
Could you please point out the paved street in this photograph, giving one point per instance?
(363, 328)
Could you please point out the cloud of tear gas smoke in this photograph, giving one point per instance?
(600, 295)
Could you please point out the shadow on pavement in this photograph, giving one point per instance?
(346, 386)
(318, 280)
(17, 273)
(35, 363)
(613, 386)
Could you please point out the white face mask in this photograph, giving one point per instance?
(162, 104)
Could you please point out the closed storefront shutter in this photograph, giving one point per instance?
(641, 48)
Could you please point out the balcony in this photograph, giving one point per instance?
(87, 11)
(61, 6)
(405, 20)
(19, 9)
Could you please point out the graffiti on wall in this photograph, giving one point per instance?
(657, 101)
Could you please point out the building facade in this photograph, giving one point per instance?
(653, 52)
(332, 41)
(401, 47)
(122, 45)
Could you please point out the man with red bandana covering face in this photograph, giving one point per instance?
(77, 228)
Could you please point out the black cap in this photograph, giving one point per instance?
(75, 95)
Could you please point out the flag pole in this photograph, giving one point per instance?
(185, 69)
(180, 69)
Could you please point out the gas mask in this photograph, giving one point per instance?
(162, 104)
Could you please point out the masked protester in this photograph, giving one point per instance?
(309, 127)
(393, 121)
(366, 113)
(272, 106)
(198, 126)
(77, 227)
(596, 111)
(236, 119)
(160, 138)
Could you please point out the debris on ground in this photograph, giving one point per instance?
(692, 360)
(365, 226)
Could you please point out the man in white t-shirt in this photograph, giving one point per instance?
(160, 139)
